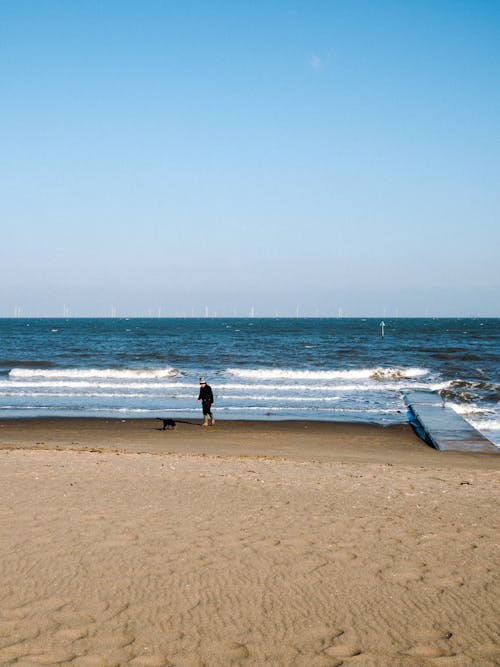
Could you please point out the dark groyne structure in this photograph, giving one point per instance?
(442, 427)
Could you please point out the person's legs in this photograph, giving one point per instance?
(206, 412)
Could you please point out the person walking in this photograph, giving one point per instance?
(206, 397)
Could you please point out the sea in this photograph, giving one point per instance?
(356, 370)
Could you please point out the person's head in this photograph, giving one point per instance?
(202, 382)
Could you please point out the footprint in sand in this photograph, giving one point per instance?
(41, 540)
(10, 653)
(40, 607)
(454, 660)
(113, 640)
(17, 613)
(120, 540)
(324, 646)
(343, 651)
(345, 555)
(412, 573)
(491, 651)
(19, 635)
(71, 634)
(13, 632)
(150, 661)
(223, 651)
(55, 657)
(266, 542)
(344, 551)
(429, 651)
(319, 637)
(319, 660)
(51, 604)
(106, 611)
(94, 661)
(7, 628)
(433, 635)
(189, 659)
(69, 618)
(451, 581)
(234, 650)
(432, 645)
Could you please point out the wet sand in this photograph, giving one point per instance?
(293, 440)
(250, 543)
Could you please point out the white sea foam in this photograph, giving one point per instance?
(285, 393)
(359, 374)
(110, 373)
(267, 397)
(328, 388)
(309, 409)
(92, 394)
(486, 425)
(84, 384)
(465, 408)
(271, 388)
(193, 387)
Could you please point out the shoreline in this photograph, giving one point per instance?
(299, 440)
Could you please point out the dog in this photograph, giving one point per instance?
(168, 424)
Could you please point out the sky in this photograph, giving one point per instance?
(253, 157)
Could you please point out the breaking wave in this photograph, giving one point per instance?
(359, 374)
(466, 391)
(465, 409)
(104, 373)
(487, 425)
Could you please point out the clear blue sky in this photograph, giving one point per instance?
(226, 155)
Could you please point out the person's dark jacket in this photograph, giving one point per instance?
(206, 394)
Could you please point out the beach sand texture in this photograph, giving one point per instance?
(248, 544)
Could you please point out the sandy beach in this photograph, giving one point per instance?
(250, 543)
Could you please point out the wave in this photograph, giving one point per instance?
(87, 384)
(104, 373)
(329, 388)
(486, 425)
(16, 385)
(283, 399)
(93, 394)
(465, 409)
(262, 374)
(474, 384)
(359, 374)
(122, 396)
(464, 390)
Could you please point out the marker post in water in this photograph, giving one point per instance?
(382, 327)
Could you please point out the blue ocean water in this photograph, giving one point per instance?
(328, 369)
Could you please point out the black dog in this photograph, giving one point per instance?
(167, 423)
